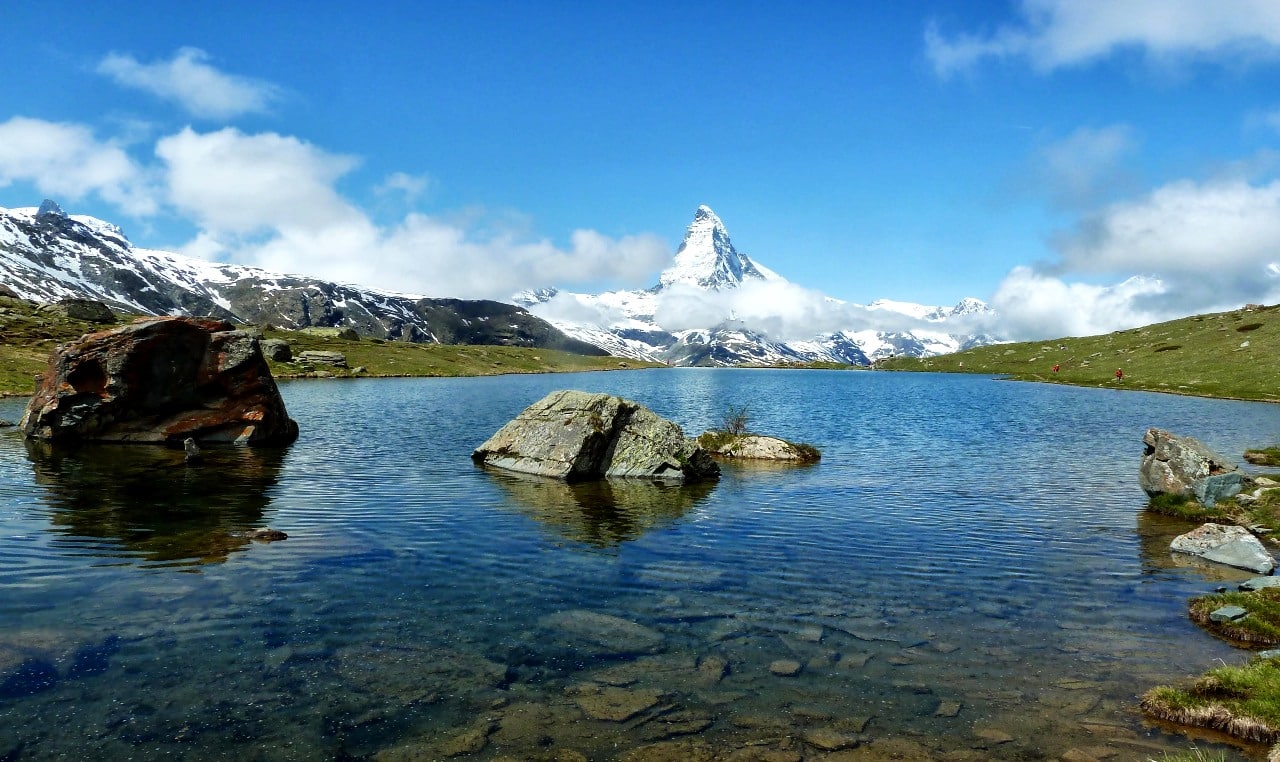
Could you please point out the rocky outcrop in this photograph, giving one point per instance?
(757, 447)
(89, 310)
(1177, 465)
(277, 350)
(321, 357)
(1230, 545)
(579, 436)
(160, 380)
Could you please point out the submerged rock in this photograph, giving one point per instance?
(1230, 545)
(602, 634)
(160, 380)
(1178, 465)
(578, 436)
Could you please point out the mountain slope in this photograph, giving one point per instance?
(705, 275)
(47, 255)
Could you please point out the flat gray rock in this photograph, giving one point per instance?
(1228, 614)
(1229, 545)
(1258, 583)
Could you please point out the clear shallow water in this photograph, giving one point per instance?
(967, 574)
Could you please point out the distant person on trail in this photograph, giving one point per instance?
(1119, 374)
(1055, 367)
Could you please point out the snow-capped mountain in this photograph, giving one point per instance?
(47, 255)
(708, 277)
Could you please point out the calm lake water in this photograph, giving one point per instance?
(968, 574)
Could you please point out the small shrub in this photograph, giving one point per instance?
(735, 420)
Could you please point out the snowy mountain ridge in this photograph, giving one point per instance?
(691, 317)
(47, 255)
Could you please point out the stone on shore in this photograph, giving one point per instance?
(1229, 545)
(321, 357)
(161, 381)
(577, 436)
(1178, 465)
(277, 350)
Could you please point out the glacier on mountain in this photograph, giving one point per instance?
(716, 306)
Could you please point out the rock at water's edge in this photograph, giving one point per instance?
(1230, 545)
(577, 436)
(160, 380)
(760, 447)
(1178, 465)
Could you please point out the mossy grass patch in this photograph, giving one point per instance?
(1261, 626)
(1242, 701)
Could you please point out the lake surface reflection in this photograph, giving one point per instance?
(967, 574)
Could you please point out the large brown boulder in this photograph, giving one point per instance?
(578, 436)
(160, 380)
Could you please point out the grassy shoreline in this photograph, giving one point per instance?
(1223, 355)
(30, 332)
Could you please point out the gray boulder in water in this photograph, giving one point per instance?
(578, 436)
(1177, 465)
(1230, 545)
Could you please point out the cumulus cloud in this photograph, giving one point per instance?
(1183, 248)
(1058, 33)
(188, 80)
(271, 201)
(231, 182)
(1219, 228)
(67, 161)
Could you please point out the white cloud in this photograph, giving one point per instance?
(1058, 33)
(189, 81)
(1211, 230)
(412, 186)
(1195, 248)
(67, 161)
(1084, 166)
(1034, 306)
(230, 182)
(270, 201)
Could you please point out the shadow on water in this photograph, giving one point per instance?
(150, 504)
(602, 513)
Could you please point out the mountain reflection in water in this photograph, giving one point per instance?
(148, 503)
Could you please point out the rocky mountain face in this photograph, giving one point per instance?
(631, 323)
(47, 255)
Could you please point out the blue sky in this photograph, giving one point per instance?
(1083, 164)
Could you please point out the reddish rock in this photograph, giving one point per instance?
(160, 380)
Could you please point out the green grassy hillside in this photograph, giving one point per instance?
(29, 333)
(1228, 354)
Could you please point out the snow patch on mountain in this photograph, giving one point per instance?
(716, 306)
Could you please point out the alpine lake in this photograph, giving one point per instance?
(969, 573)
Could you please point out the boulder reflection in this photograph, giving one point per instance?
(148, 503)
(602, 513)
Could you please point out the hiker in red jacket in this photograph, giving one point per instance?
(1119, 374)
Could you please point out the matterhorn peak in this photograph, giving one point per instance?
(50, 208)
(707, 259)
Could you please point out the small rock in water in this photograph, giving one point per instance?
(948, 709)
(786, 667)
(266, 534)
(1258, 583)
(1228, 614)
(1270, 653)
(829, 739)
(192, 449)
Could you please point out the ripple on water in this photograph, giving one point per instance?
(967, 567)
